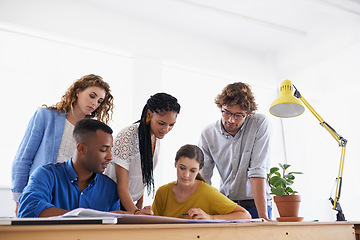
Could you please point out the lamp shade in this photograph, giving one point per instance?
(286, 105)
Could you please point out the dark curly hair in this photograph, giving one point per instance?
(158, 103)
(237, 94)
(102, 113)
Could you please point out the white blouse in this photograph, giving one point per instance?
(126, 153)
(67, 145)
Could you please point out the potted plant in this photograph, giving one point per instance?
(286, 199)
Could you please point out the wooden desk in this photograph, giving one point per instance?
(196, 231)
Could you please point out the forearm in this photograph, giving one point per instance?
(208, 167)
(238, 213)
(53, 211)
(126, 200)
(259, 194)
(121, 212)
(122, 176)
(139, 203)
(20, 177)
(16, 208)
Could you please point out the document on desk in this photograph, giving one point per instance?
(140, 219)
(90, 216)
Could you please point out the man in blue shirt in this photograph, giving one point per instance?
(55, 189)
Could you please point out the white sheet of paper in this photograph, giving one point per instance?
(129, 218)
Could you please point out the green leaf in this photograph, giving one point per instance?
(277, 191)
(289, 182)
(283, 182)
(289, 176)
(275, 181)
(288, 190)
(286, 166)
(274, 170)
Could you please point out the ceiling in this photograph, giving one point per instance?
(256, 25)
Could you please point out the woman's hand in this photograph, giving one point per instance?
(198, 213)
(146, 211)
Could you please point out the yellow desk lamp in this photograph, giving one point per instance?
(288, 105)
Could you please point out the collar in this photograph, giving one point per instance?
(226, 134)
(73, 177)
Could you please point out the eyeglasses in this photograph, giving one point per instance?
(228, 114)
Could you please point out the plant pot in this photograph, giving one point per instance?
(288, 205)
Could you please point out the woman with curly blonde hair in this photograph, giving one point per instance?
(48, 136)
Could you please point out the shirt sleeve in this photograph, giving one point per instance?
(26, 153)
(159, 204)
(208, 168)
(219, 203)
(37, 196)
(116, 205)
(260, 156)
(125, 146)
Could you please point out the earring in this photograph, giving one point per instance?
(147, 119)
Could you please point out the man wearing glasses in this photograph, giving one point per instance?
(239, 146)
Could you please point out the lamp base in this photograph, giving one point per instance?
(340, 217)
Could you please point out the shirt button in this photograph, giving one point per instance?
(234, 159)
(233, 176)
(81, 193)
(230, 191)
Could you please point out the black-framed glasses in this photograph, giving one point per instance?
(228, 114)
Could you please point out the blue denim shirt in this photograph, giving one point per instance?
(55, 185)
(39, 146)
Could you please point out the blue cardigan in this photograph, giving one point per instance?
(39, 146)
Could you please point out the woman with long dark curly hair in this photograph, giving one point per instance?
(136, 150)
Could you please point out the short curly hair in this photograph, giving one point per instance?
(102, 113)
(237, 94)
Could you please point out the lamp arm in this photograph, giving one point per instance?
(342, 143)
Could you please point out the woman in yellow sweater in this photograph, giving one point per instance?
(190, 197)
